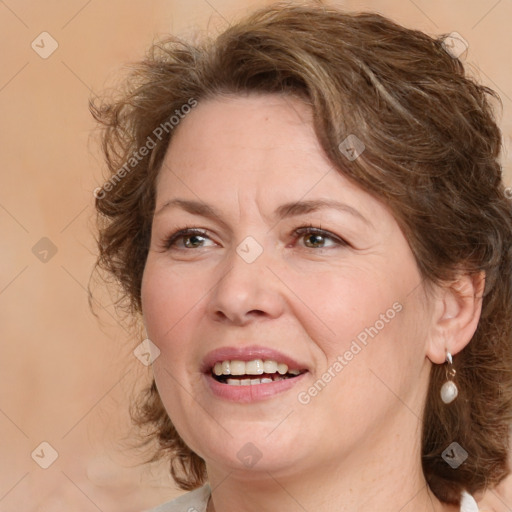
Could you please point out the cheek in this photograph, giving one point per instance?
(167, 307)
(155, 302)
(347, 305)
(366, 317)
(167, 299)
(173, 307)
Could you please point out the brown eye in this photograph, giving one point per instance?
(191, 237)
(193, 240)
(315, 238)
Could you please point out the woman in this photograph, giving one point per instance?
(308, 216)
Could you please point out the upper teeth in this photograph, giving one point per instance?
(254, 367)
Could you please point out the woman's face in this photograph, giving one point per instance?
(292, 264)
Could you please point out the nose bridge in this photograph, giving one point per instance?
(247, 287)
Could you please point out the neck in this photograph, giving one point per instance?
(369, 478)
(407, 493)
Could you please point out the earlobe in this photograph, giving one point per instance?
(458, 306)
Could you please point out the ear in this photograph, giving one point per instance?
(456, 313)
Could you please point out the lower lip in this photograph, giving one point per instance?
(253, 392)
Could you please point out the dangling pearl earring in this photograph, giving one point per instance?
(449, 389)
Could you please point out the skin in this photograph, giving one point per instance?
(350, 447)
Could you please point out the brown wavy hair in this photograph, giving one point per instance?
(431, 154)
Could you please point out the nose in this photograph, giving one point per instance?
(246, 291)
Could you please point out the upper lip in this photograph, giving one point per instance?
(248, 353)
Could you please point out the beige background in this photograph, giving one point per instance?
(65, 376)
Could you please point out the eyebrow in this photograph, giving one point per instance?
(282, 212)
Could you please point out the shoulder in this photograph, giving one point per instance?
(193, 501)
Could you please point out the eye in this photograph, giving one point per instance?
(192, 238)
(318, 236)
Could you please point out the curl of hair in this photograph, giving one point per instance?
(431, 154)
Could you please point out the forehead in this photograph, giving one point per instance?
(274, 123)
(256, 148)
(245, 139)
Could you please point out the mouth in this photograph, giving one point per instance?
(252, 373)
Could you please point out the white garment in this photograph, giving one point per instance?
(467, 503)
(196, 501)
(193, 501)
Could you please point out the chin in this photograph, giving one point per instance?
(250, 457)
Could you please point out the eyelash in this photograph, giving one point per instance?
(187, 231)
